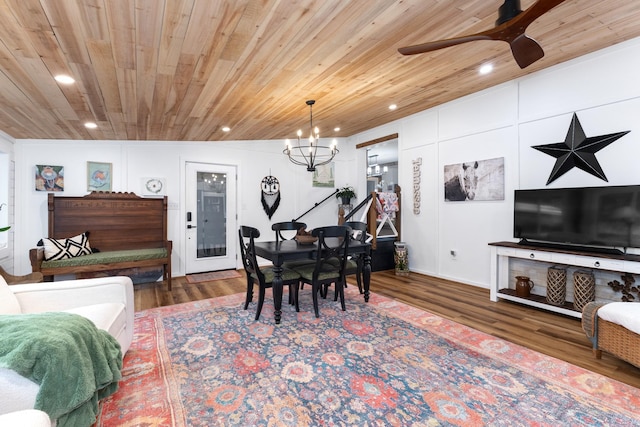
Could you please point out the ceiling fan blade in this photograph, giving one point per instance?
(431, 46)
(525, 50)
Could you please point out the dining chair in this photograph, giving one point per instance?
(324, 272)
(279, 227)
(355, 263)
(264, 276)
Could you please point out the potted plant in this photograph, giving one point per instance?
(345, 194)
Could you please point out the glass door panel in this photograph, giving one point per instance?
(210, 221)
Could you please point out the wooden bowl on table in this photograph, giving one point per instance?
(306, 239)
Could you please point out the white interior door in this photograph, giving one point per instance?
(210, 223)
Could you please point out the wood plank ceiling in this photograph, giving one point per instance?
(181, 69)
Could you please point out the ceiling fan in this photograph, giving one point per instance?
(510, 27)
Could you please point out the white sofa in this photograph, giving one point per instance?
(106, 301)
(25, 418)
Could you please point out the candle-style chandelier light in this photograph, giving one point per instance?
(313, 154)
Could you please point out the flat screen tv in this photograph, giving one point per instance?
(589, 218)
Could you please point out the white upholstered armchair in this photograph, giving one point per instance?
(107, 302)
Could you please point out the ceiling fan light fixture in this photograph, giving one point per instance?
(314, 153)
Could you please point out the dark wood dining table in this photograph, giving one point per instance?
(290, 250)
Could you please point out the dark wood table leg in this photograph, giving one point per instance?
(366, 275)
(277, 292)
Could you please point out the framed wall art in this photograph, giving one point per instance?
(153, 186)
(98, 176)
(476, 180)
(49, 178)
(324, 175)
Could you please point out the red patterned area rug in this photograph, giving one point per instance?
(208, 363)
(212, 275)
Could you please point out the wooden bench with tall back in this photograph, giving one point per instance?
(128, 231)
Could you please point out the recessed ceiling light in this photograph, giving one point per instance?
(486, 69)
(336, 129)
(90, 125)
(226, 128)
(64, 79)
(392, 107)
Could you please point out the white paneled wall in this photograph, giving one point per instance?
(133, 160)
(506, 121)
(503, 121)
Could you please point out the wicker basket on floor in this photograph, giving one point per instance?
(556, 285)
(584, 289)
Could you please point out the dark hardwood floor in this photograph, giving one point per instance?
(549, 333)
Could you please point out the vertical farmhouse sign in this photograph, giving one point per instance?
(416, 185)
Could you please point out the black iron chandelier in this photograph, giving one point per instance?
(313, 154)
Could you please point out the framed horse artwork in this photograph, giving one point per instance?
(474, 181)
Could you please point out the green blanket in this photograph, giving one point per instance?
(75, 363)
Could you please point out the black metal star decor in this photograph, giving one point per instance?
(578, 151)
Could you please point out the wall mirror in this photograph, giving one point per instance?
(382, 163)
(382, 176)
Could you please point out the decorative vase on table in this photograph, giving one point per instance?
(523, 286)
(584, 288)
(556, 285)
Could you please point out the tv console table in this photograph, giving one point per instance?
(501, 252)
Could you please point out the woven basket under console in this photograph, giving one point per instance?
(584, 289)
(556, 285)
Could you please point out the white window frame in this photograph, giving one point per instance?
(5, 197)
